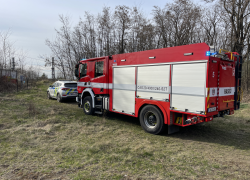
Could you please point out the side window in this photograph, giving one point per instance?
(54, 85)
(83, 71)
(99, 68)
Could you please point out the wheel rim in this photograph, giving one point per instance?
(87, 106)
(150, 119)
(58, 98)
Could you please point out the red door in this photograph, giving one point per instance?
(226, 85)
(84, 74)
(99, 76)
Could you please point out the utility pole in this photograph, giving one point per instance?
(53, 69)
(13, 63)
(247, 64)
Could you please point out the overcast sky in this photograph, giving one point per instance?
(33, 21)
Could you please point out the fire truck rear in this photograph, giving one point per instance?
(165, 88)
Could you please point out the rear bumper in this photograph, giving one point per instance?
(68, 97)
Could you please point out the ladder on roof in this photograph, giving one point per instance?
(238, 89)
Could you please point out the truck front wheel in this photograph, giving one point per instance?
(87, 105)
(152, 120)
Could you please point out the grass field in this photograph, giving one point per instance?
(44, 139)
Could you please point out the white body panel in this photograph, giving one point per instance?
(192, 103)
(189, 87)
(153, 82)
(124, 89)
(153, 95)
(124, 101)
(124, 76)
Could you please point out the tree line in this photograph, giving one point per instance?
(222, 23)
(8, 50)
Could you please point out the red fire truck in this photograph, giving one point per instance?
(165, 88)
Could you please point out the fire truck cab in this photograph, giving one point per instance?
(165, 88)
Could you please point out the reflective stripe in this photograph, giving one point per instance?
(208, 92)
(130, 87)
(223, 91)
(95, 85)
(67, 91)
(70, 91)
(213, 92)
(226, 91)
(157, 89)
(197, 91)
(55, 92)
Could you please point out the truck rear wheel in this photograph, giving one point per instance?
(152, 120)
(87, 105)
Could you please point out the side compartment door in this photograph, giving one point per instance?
(226, 85)
(124, 89)
(153, 82)
(189, 87)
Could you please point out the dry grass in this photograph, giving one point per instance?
(246, 98)
(44, 139)
(7, 85)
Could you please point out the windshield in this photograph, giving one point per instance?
(70, 84)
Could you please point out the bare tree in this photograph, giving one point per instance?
(122, 18)
(105, 25)
(224, 24)
(7, 49)
(238, 11)
(163, 26)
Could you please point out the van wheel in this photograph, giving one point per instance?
(87, 105)
(152, 120)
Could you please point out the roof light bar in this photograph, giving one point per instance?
(208, 53)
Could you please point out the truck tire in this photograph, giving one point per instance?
(59, 98)
(87, 105)
(152, 120)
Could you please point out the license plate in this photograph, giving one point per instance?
(74, 93)
(211, 109)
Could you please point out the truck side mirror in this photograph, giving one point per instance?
(76, 71)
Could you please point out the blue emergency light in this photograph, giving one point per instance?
(208, 53)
